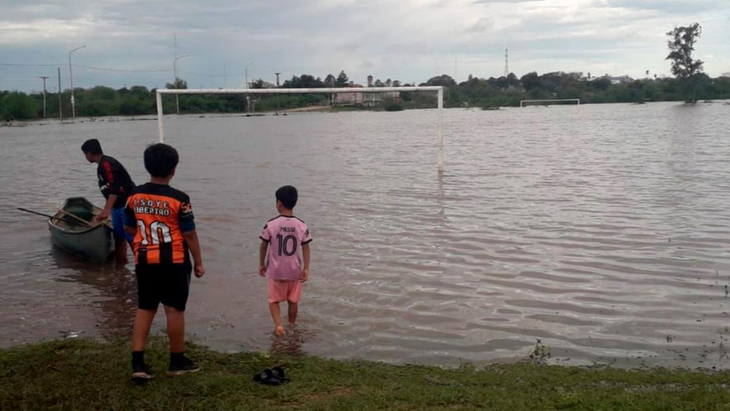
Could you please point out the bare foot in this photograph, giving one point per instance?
(279, 331)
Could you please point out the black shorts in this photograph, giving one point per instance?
(168, 284)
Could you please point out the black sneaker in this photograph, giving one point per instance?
(184, 366)
(140, 373)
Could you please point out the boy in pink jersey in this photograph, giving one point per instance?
(285, 270)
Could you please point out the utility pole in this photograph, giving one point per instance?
(246, 73)
(225, 76)
(60, 108)
(506, 63)
(248, 96)
(277, 85)
(456, 69)
(44, 78)
(71, 74)
(174, 68)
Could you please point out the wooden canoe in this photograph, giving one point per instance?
(89, 242)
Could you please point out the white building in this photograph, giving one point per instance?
(360, 98)
(621, 79)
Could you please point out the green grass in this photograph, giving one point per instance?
(87, 375)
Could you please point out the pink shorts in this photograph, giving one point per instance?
(284, 291)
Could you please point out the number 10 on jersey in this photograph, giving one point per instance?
(287, 245)
(159, 233)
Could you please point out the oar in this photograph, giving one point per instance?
(49, 216)
(75, 217)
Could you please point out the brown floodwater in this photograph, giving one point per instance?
(601, 230)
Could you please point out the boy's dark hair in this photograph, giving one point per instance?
(288, 196)
(160, 159)
(92, 146)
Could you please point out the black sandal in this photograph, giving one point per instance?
(279, 374)
(266, 377)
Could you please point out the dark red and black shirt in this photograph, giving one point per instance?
(114, 179)
(161, 215)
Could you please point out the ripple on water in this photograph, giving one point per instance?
(570, 225)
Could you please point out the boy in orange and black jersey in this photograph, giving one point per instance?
(161, 220)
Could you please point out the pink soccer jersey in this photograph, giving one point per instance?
(285, 236)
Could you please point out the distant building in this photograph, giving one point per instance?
(362, 99)
(620, 79)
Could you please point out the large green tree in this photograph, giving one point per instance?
(681, 46)
(342, 80)
(179, 84)
(18, 106)
(442, 80)
(330, 80)
(305, 81)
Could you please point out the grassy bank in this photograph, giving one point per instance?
(79, 375)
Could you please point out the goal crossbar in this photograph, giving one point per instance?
(577, 100)
(435, 89)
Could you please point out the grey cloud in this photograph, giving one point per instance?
(482, 25)
(505, 1)
(393, 39)
(669, 6)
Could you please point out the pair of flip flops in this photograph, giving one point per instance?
(271, 376)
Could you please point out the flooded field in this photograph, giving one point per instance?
(601, 230)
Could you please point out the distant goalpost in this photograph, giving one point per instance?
(435, 89)
(560, 101)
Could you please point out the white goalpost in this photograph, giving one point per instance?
(434, 89)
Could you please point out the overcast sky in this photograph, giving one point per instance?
(408, 40)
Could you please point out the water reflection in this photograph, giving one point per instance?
(115, 299)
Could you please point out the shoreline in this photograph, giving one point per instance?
(84, 374)
(298, 111)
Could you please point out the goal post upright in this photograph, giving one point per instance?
(437, 89)
(160, 123)
(441, 128)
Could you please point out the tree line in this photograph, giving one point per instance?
(474, 92)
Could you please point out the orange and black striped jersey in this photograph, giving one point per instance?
(161, 215)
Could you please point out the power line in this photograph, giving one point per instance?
(212, 75)
(113, 70)
(87, 67)
(29, 65)
(123, 70)
(207, 75)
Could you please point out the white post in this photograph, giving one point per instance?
(71, 74)
(441, 129)
(60, 92)
(160, 123)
